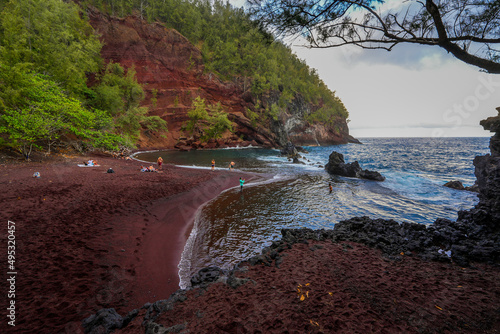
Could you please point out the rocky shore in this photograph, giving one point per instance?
(315, 282)
(365, 275)
(95, 246)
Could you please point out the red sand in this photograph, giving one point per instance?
(346, 288)
(87, 240)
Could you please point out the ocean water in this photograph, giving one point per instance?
(237, 225)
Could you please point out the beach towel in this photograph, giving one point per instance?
(83, 165)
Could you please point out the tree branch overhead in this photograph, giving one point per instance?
(467, 29)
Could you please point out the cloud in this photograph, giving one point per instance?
(408, 56)
(412, 91)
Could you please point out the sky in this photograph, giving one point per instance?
(412, 91)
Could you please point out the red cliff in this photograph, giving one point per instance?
(168, 65)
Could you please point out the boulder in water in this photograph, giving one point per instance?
(455, 185)
(289, 150)
(292, 152)
(337, 166)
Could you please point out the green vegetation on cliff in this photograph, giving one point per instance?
(207, 125)
(237, 48)
(43, 114)
(47, 50)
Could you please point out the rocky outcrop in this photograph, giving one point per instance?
(457, 185)
(337, 166)
(292, 152)
(172, 73)
(106, 321)
(492, 124)
(461, 242)
(486, 213)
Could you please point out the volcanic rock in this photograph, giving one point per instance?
(206, 276)
(454, 185)
(106, 321)
(289, 150)
(337, 166)
(487, 211)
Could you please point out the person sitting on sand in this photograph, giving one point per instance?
(213, 164)
(160, 162)
(90, 162)
(144, 169)
(152, 169)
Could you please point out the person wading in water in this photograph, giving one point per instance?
(242, 181)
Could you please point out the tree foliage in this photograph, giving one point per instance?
(47, 49)
(37, 112)
(207, 122)
(119, 93)
(468, 29)
(52, 38)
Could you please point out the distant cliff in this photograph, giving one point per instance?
(172, 73)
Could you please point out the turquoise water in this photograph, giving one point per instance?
(236, 225)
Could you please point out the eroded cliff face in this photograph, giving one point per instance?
(171, 71)
(487, 172)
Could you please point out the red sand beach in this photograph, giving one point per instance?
(87, 240)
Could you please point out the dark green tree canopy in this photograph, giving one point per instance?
(50, 37)
(468, 29)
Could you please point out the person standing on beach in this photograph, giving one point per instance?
(160, 162)
(213, 164)
(330, 186)
(242, 181)
(231, 165)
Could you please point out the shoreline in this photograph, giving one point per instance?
(90, 241)
(187, 207)
(167, 237)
